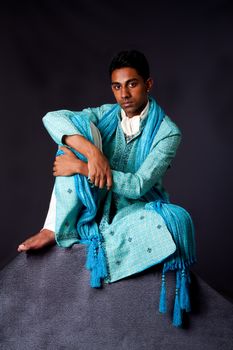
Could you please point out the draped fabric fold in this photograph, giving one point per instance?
(86, 225)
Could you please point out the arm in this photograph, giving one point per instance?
(97, 169)
(151, 171)
(59, 123)
(132, 185)
(60, 126)
(135, 185)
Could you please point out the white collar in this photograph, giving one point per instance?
(131, 126)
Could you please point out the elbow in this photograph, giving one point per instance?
(47, 118)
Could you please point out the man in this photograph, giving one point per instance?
(126, 217)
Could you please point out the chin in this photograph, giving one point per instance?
(130, 110)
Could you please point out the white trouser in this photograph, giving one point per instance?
(50, 221)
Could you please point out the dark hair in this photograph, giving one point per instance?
(133, 59)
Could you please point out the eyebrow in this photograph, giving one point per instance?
(127, 81)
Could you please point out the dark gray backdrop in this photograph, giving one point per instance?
(55, 54)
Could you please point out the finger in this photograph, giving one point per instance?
(97, 181)
(109, 181)
(63, 148)
(66, 150)
(102, 182)
(91, 179)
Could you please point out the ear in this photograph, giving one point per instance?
(149, 84)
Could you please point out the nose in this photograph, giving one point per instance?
(125, 93)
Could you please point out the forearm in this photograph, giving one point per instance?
(82, 168)
(59, 123)
(65, 122)
(98, 167)
(81, 145)
(135, 185)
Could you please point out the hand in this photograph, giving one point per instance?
(67, 164)
(99, 171)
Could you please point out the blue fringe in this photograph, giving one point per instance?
(96, 263)
(162, 302)
(184, 292)
(90, 262)
(180, 225)
(102, 265)
(177, 313)
(95, 278)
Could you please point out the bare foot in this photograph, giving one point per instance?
(39, 240)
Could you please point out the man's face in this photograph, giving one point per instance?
(130, 90)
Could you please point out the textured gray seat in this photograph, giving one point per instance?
(46, 303)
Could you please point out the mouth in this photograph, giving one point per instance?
(127, 104)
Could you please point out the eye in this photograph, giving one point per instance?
(132, 84)
(116, 86)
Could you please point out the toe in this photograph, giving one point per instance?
(22, 247)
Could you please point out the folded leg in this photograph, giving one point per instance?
(67, 204)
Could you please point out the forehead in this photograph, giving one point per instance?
(122, 75)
